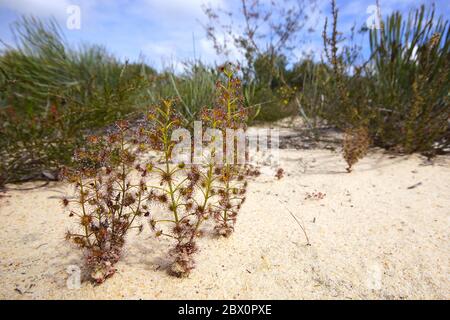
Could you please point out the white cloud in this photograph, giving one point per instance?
(163, 49)
(358, 8)
(181, 30)
(37, 7)
(172, 53)
(206, 49)
(172, 11)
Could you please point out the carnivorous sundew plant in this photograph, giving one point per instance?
(230, 184)
(181, 214)
(116, 183)
(107, 199)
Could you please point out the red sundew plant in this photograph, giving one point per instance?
(107, 200)
(175, 192)
(229, 178)
(113, 187)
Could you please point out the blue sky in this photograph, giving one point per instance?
(163, 30)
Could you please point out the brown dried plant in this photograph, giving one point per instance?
(107, 200)
(315, 195)
(279, 174)
(356, 144)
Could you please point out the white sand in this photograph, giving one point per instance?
(372, 237)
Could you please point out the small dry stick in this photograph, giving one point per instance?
(301, 226)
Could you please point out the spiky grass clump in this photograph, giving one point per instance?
(52, 94)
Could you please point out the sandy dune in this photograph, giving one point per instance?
(371, 236)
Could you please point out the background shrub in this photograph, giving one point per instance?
(51, 94)
(401, 92)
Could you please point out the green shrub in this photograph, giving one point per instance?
(411, 80)
(402, 92)
(88, 88)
